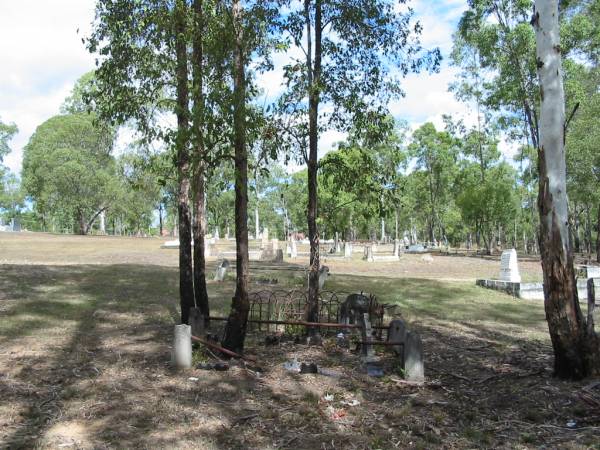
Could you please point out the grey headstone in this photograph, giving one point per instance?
(414, 369)
(221, 270)
(397, 333)
(367, 336)
(368, 253)
(323, 275)
(279, 255)
(197, 323)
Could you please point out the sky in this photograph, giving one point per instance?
(42, 55)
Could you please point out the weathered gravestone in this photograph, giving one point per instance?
(293, 248)
(221, 270)
(182, 347)
(414, 369)
(265, 237)
(278, 255)
(348, 250)
(366, 335)
(397, 334)
(323, 275)
(509, 268)
(197, 323)
(368, 255)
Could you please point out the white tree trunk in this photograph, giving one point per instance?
(575, 354)
(552, 114)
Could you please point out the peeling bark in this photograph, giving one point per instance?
(566, 324)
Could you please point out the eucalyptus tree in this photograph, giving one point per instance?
(575, 343)
(352, 54)
(435, 154)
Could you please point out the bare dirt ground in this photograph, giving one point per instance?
(85, 333)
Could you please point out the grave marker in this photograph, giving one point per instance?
(414, 369)
(509, 268)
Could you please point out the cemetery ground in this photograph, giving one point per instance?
(86, 326)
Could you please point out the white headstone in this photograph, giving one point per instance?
(348, 250)
(509, 268)
(217, 233)
(182, 347)
(294, 249)
(265, 237)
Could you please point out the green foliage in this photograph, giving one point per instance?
(68, 170)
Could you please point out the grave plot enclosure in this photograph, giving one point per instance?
(284, 311)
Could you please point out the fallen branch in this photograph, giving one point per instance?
(223, 350)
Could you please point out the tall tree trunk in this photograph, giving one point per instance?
(598, 236)
(314, 78)
(186, 281)
(200, 292)
(572, 356)
(160, 220)
(235, 330)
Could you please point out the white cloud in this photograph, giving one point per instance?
(42, 56)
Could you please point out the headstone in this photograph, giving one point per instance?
(197, 323)
(265, 237)
(509, 268)
(182, 347)
(294, 249)
(368, 256)
(348, 250)
(367, 336)
(216, 233)
(414, 369)
(592, 271)
(338, 244)
(397, 333)
(279, 255)
(288, 249)
(221, 270)
(323, 275)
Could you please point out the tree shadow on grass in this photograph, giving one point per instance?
(111, 380)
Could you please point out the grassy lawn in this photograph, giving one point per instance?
(85, 346)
